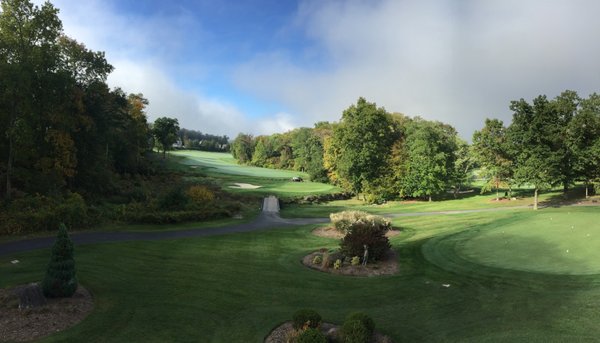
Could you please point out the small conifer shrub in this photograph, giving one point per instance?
(60, 280)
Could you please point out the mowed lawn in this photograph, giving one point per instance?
(223, 169)
(224, 163)
(561, 242)
(236, 288)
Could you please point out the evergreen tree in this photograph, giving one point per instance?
(60, 280)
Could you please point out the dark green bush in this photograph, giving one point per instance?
(311, 335)
(60, 280)
(306, 317)
(174, 199)
(361, 234)
(363, 318)
(354, 331)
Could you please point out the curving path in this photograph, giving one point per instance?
(267, 219)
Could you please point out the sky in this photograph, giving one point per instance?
(265, 66)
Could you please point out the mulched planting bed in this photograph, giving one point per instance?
(22, 325)
(285, 333)
(387, 266)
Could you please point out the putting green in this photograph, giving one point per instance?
(555, 242)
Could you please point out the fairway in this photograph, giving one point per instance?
(565, 241)
(224, 163)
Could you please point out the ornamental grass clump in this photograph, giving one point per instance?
(60, 280)
(344, 221)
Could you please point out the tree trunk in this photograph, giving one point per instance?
(510, 191)
(587, 194)
(535, 199)
(497, 194)
(9, 166)
(164, 153)
(430, 198)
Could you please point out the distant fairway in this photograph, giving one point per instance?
(565, 241)
(223, 168)
(224, 163)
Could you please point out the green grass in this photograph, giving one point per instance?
(236, 288)
(222, 170)
(469, 201)
(224, 163)
(561, 241)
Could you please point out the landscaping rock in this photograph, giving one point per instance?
(30, 296)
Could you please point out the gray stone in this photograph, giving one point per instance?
(30, 296)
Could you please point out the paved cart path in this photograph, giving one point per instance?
(269, 218)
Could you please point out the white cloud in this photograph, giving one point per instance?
(458, 62)
(141, 49)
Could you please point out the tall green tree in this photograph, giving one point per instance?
(583, 139)
(28, 54)
(308, 153)
(532, 134)
(463, 165)
(363, 140)
(431, 152)
(564, 107)
(242, 148)
(491, 151)
(165, 132)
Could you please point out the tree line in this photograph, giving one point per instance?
(62, 127)
(549, 143)
(388, 156)
(196, 140)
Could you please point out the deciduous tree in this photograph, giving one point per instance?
(165, 132)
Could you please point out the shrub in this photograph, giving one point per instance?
(306, 318)
(362, 234)
(200, 194)
(344, 221)
(60, 280)
(41, 213)
(337, 264)
(354, 331)
(355, 261)
(364, 319)
(311, 335)
(317, 259)
(173, 200)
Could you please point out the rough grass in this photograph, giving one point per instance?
(236, 288)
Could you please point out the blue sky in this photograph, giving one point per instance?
(267, 66)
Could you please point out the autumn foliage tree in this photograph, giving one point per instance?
(62, 127)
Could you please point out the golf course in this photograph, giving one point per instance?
(248, 179)
(511, 274)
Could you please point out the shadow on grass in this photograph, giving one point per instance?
(463, 298)
(559, 198)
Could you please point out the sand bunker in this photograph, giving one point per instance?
(244, 186)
